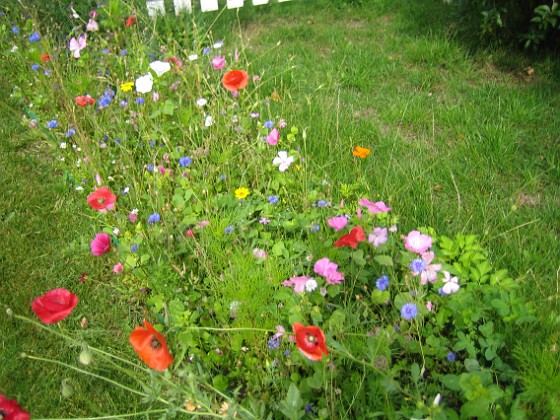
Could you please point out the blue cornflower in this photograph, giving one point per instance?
(185, 161)
(104, 101)
(222, 177)
(269, 124)
(124, 103)
(273, 199)
(105, 51)
(35, 67)
(117, 141)
(274, 343)
(451, 356)
(308, 408)
(382, 282)
(315, 228)
(134, 247)
(150, 167)
(15, 30)
(229, 229)
(124, 52)
(154, 218)
(206, 50)
(321, 203)
(152, 143)
(287, 353)
(409, 311)
(418, 265)
(70, 132)
(47, 72)
(140, 101)
(34, 37)
(52, 124)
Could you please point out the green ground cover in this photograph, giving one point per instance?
(460, 142)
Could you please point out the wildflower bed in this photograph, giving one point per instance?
(258, 292)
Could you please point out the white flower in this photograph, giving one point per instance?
(144, 83)
(134, 211)
(193, 57)
(79, 188)
(451, 284)
(283, 160)
(116, 231)
(160, 67)
(208, 121)
(310, 285)
(201, 101)
(219, 44)
(63, 145)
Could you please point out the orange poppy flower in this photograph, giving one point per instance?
(131, 21)
(361, 152)
(235, 79)
(310, 341)
(84, 100)
(151, 346)
(45, 58)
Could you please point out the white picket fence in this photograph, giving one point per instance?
(157, 6)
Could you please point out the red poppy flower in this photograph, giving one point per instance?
(351, 239)
(151, 347)
(235, 79)
(10, 410)
(175, 60)
(45, 58)
(102, 199)
(310, 341)
(84, 100)
(131, 21)
(54, 305)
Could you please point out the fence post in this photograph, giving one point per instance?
(182, 5)
(154, 7)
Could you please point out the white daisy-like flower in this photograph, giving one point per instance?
(201, 101)
(208, 121)
(193, 57)
(310, 285)
(283, 161)
(63, 145)
(451, 284)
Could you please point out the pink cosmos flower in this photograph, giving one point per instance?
(218, 62)
(374, 208)
(92, 26)
(429, 306)
(326, 268)
(417, 242)
(378, 237)
(118, 268)
(298, 283)
(273, 137)
(338, 222)
(101, 244)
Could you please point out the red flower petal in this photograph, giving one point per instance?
(102, 199)
(151, 346)
(54, 305)
(310, 341)
(235, 79)
(10, 410)
(351, 239)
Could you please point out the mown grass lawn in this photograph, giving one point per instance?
(461, 141)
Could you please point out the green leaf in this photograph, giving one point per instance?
(385, 260)
(471, 365)
(168, 107)
(451, 382)
(415, 372)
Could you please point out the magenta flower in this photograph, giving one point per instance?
(273, 137)
(297, 282)
(338, 222)
(101, 244)
(378, 237)
(326, 268)
(218, 62)
(423, 266)
(374, 208)
(118, 268)
(417, 242)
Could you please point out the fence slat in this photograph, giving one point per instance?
(234, 4)
(208, 5)
(181, 5)
(259, 2)
(154, 7)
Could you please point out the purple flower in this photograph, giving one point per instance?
(34, 37)
(273, 343)
(185, 161)
(70, 132)
(418, 265)
(134, 247)
(382, 283)
(378, 237)
(150, 167)
(423, 266)
(154, 218)
(140, 101)
(52, 124)
(35, 67)
(409, 311)
(228, 230)
(451, 357)
(273, 199)
(321, 203)
(269, 123)
(15, 30)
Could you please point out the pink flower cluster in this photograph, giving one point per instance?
(329, 270)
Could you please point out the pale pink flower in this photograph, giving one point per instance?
(359, 213)
(118, 268)
(101, 244)
(298, 283)
(326, 268)
(259, 254)
(273, 137)
(428, 271)
(338, 222)
(218, 62)
(374, 208)
(92, 26)
(417, 242)
(451, 284)
(429, 306)
(378, 237)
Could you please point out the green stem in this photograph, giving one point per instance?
(85, 372)
(116, 416)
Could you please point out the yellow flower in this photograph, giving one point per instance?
(127, 87)
(241, 193)
(361, 152)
